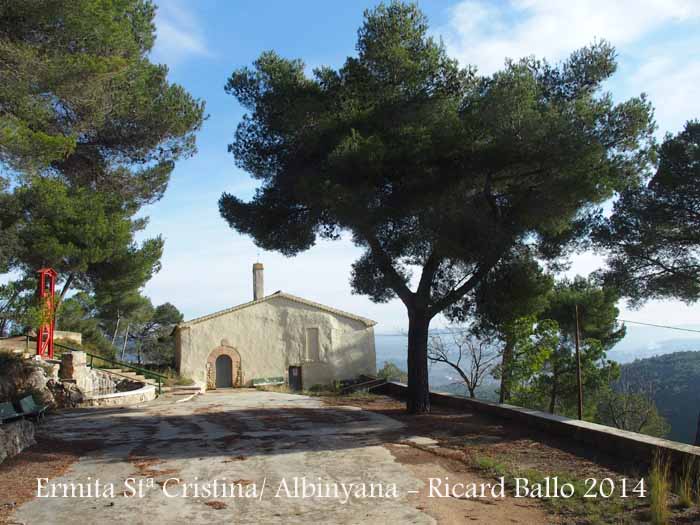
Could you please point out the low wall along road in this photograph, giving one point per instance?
(608, 439)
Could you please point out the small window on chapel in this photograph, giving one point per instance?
(313, 345)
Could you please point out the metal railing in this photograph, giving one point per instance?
(112, 363)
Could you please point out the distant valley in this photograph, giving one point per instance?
(640, 342)
(670, 360)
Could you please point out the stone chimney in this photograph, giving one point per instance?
(258, 288)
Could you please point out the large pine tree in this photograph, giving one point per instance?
(430, 167)
(90, 130)
(652, 238)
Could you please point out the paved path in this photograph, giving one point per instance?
(245, 438)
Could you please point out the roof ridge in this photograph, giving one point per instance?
(326, 308)
(277, 294)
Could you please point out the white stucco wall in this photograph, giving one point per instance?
(270, 336)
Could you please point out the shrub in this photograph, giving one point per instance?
(391, 372)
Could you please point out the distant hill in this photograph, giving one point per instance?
(675, 381)
(628, 350)
(639, 342)
(668, 360)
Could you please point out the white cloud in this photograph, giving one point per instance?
(655, 40)
(206, 269)
(657, 54)
(484, 33)
(179, 34)
(674, 89)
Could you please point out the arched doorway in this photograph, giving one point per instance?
(224, 367)
(224, 372)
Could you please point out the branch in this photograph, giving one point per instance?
(466, 379)
(66, 287)
(426, 278)
(459, 292)
(384, 262)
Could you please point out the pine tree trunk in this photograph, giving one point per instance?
(506, 367)
(418, 389)
(66, 286)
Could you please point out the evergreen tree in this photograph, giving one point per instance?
(153, 338)
(79, 95)
(86, 236)
(430, 167)
(555, 387)
(504, 307)
(79, 313)
(653, 235)
(16, 301)
(90, 132)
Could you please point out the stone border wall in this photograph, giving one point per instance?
(131, 397)
(15, 437)
(621, 443)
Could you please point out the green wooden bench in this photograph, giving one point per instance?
(267, 381)
(31, 409)
(8, 412)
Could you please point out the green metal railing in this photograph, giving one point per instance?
(105, 362)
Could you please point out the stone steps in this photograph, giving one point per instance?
(127, 374)
(185, 390)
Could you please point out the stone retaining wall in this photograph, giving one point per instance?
(15, 437)
(621, 443)
(91, 381)
(98, 382)
(70, 337)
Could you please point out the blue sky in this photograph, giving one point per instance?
(207, 266)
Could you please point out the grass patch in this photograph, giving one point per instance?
(491, 466)
(282, 389)
(613, 509)
(660, 490)
(179, 381)
(320, 391)
(685, 484)
(357, 396)
(172, 378)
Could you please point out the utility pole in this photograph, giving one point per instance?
(126, 338)
(578, 367)
(116, 328)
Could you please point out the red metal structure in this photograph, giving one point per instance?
(46, 294)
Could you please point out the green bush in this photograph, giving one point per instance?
(391, 372)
